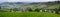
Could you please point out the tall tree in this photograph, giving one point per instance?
(0, 7)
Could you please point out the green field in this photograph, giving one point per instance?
(28, 14)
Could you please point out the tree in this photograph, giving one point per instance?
(15, 9)
(10, 10)
(0, 7)
(37, 10)
(57, 10)
(30, 9)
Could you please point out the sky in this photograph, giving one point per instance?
(26, 0)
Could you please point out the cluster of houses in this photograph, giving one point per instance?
(50, 11)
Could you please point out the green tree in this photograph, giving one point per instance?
(0, 7)
(15, 9)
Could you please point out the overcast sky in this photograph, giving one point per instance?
(26, 0)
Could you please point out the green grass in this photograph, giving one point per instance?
(27, 14)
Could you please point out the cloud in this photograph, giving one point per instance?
(25, 0)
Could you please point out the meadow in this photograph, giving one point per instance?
(28, 14)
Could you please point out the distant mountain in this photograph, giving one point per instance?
(12, 3)
(27, 2)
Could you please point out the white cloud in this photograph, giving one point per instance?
(26, 0)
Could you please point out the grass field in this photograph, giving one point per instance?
(28, 14)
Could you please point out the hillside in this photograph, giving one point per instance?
(26, 5)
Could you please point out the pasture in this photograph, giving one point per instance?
(28, 14)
